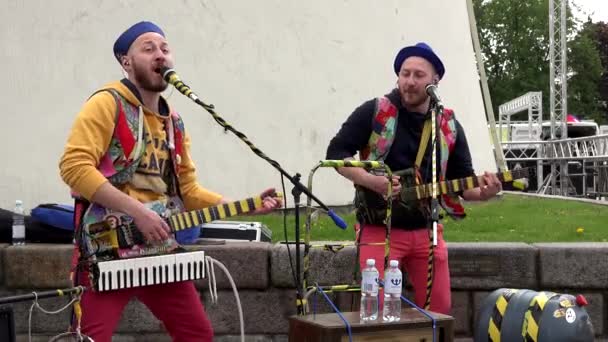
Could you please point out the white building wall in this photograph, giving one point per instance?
(286, 73)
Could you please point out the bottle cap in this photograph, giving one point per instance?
(18, 202)
(370, 262)
(394, 263)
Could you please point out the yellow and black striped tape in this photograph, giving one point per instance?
(193, 218)
(498, 313)
(532, 316)
(367, 164)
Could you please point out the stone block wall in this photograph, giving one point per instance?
(265, 284)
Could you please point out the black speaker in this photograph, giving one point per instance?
(7, 324)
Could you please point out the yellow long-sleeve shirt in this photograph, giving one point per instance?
(90, 137)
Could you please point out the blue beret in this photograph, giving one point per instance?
(419, 50)
(123, 43)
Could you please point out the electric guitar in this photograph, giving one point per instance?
(410, 195)
(456, 185)
(112, 235)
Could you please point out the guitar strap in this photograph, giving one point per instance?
(424, 141)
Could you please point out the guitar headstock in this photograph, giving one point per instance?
(521, 177)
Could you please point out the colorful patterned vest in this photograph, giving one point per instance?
(127, 148)
(384, 126)
(120, 161)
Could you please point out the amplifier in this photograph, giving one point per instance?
(236, 231)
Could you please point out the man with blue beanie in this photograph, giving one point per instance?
(390, 129)
(128, 147)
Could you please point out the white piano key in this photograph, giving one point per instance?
(112, 274)
(134, 273)
(149, 266)
(186, 260)
(167, 264)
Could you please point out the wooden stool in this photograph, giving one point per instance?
(413, 327)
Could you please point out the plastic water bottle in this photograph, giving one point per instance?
(369, 292)
(391, 312)
(19, 224)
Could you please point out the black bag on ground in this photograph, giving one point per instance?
(35, 231)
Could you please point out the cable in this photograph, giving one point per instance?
(433, 320)
(35, 304)
(210, 261)
(422, 311)
(348, 328)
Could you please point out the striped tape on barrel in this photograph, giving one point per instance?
(500, 307)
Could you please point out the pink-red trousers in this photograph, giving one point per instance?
(177, 305)
(411, 249)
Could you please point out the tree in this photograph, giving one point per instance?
(514, 39)
(586, 71)
(598, 32)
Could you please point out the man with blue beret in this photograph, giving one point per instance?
(128, 147)
(391, 129)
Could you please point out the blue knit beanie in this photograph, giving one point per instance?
(420, 50)
(123, 43)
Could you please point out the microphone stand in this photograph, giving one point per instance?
(78, 290)
(436, 112)
(298, 188)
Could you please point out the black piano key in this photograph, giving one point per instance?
(101, 285)
(118, 280)
(166, 273)
(145, 282)
(189, 276)
(174, 267)
(154, 281)
(109, 281)
(125, 277)
(181, 272)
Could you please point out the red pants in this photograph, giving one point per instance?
(177, 305)
(411, 249)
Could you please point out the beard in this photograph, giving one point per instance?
(412, 99)
(147, 80)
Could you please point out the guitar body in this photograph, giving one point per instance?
(411, 200)
(109, 235)
(112, 235)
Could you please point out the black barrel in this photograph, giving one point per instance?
(513, 315)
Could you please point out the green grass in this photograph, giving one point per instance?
(511, 218)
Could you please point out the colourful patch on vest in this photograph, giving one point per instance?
(384, 127)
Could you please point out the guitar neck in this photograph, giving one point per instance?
(190, 219)
(461, 184)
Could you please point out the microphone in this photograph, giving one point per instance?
(433, 92)
(172, 78)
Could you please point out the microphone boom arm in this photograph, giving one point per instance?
(172, 78)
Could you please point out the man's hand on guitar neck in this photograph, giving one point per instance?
(489, 187)
(270, 200)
